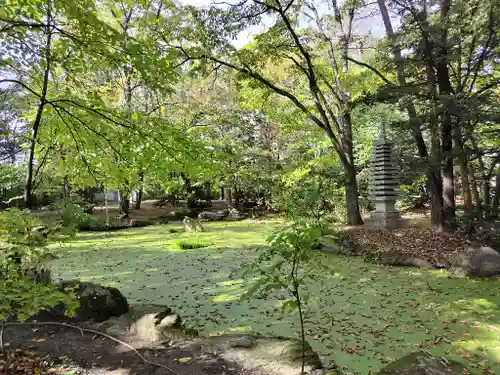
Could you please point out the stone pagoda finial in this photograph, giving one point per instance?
(384, 183)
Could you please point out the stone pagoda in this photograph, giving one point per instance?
(384, 183)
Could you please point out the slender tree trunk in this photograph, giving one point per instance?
(466, 191)
(28, 190)
(486, 197)
(228, 196)
(495, 209)
(351, 189)
(435, 188)
(475, 193)
(66, 191)
(138, 198)
(448, 179)
(464, 172)
(124, 203)
(106, 208)
(351, 193)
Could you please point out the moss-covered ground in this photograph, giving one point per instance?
(361, 315)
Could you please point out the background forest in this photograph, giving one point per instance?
(241, 133)
(163, 98)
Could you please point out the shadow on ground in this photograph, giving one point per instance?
(99, 356)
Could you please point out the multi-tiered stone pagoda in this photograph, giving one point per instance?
(384, 183)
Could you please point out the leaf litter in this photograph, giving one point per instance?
(357, 311)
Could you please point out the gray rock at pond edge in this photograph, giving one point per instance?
(422, 363)
(156, 323)
(39, 275)
(479, 262)
(144, 325)
(97, 302)
(271, 355)
(210, 216)
(416, 262)
(234, 215)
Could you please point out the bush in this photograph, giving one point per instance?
(191, 244)
(71, 215)
(23, 251)
(312, 198)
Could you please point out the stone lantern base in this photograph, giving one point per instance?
(385, 219)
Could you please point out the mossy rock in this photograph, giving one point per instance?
(273, 355)
(148, 324)
(422, 363)
(97, 303)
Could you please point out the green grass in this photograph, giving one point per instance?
(361, 315)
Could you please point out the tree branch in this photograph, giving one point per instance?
(374, 70)
(17, 82)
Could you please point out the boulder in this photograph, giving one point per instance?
(157, 324)
(234, 215)
(331, 245)
(39, 275)
(271, 355)
(140, 223)
(97, 302)
(210, 216)
(479, 262)
(396, 257)
(422, 363)
(441, 262)
(416, 262)
(223, 213)
(146, 325)
(178, 215)
(89, 209)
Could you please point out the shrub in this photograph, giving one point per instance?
(71, 215)
(22, 250)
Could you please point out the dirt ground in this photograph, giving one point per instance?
(67, 351)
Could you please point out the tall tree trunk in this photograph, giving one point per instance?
(466, 191)
(448, 177)
(124, 203)
(486, 197)
(351, 194)
(138, 197)
(464, 172)
(28, 189)
(446, 91)
(434, 183)
(66, 187)
(475, 192)
(228, 196)
(352, 199)
(495, 208)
